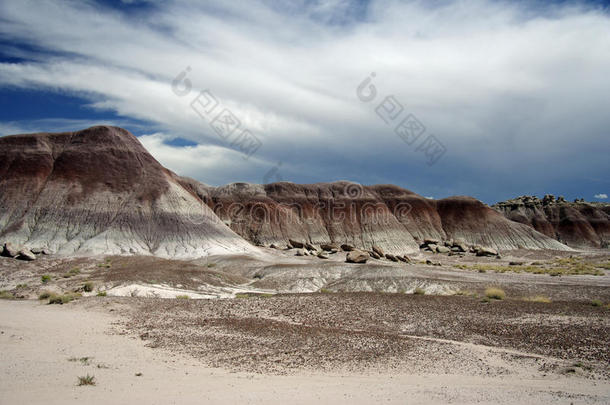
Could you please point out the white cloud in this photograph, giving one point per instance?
(509, 89)
(601, 196)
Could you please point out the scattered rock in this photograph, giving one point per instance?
(26, 254)
(378, 250)
(432, 247)
(516, 263)
(347, 248)
(296, 244)
(431, 263)
(11, 250)
(374, 255)
(407, 259)
(309, 246)
(443, 249)
(391, 257)
(274, 246)
(333, 251)
(300, 252)
(430, 241)
(402, 259)
(323, 255)
(483, 251)
(329, 246)
(357, 256)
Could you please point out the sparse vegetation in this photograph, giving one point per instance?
(558, 267)
(183, 297)
(210, 265)
(6, 295)
(45, 278)
(241, 295)
(325, 291)
(20, 286)
(494, 293)
(538, 298)
(85, 361)
(72, 272)
(419, 291)
(102, 294)
(86, 380)
(596, 303)
(88, 286)
(63, 298)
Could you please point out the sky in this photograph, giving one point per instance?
(487, 98)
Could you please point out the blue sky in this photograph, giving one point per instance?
(514, 93)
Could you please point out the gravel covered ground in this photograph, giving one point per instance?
(376, 331)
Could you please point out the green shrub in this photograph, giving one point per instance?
(102, 294)
(45, 278)
(419, 291)
(325, 291)
(86, 380)
(596, 303)
(44, 295)
(495, 293)
(63, 299)
(183, 297)
(5, 295)
(88, 287)
(19, 286)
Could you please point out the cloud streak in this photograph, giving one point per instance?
(518, 94)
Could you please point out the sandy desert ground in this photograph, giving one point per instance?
(365, 336)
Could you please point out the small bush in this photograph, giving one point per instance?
(5, 295)
(85, 361)
(45, 278)
(419, 291)
(86, 380)
(88, 287)
(44, 295)
(241, 295)
(495, 293)
(183, 297)
(139, 374)
(63, 299)
(102, 294)
(19, 286)
(211, 264)
(325, 291)
(538, 298)
(596, 303)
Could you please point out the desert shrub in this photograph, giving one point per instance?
(19, 286)
(596, 303)
(63, 298)
(538, 298)
(325, 291)
(419, 291)
(102, 294)
(183, 297)
(45, 278)
(494, 293)
(211, 265)
(86, 380)
(5, 295)
(88, 286)
(241, 295)
(44, 295)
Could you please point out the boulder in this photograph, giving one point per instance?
(402, 259)
(407, 259)
(483, 251)
(374, 255)
(378, 250)
(296, 244)
(431, 241)
(391, 257)
(323, 255)
(36, 251)
(274, 246)
(329, 246)
(347, 248)
(357, 256)
(300, 252)
(431, 263)
(309, 246)
(333, 251)
(443, 249)
(462, 246)
(432, 247)
(25, 254)
(47, 251)
(11, 250)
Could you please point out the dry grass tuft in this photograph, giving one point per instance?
(494, 293)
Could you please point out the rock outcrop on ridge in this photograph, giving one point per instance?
(578, 224)
(98, 191)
